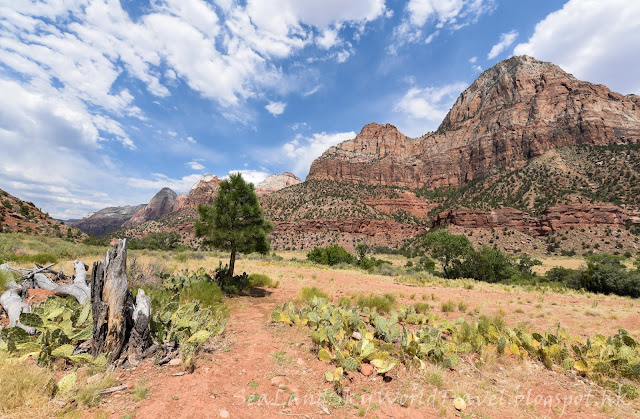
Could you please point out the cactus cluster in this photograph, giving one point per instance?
(348, 337)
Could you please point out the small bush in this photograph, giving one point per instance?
(383, 304)
(448, 307)
(308, 293)
(208, 293)
(422, 308)
(260, 280)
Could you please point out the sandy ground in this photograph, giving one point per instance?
(260, 370)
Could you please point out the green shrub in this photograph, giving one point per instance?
(383, 304)
(207, 293)
(260, 280)
(487, 264)
(41, 258)
(448, 307)
(422, 308)
(331, 255)
(5, 278)
(308, 293)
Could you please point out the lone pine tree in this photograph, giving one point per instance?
(234, 221)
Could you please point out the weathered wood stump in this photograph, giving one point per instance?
(117, 320)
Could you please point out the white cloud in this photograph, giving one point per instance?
(473, 60)
(423, 109)
(301, 151)
(276, 108)
(313, 90)
(64, 63)
(506, 40)
(449, 14)
(252, 176)
(160, 181)
(194, 165)
(191, 140)
(597, 41)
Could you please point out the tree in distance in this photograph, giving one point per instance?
(234, 221)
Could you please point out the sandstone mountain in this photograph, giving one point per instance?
(276, 182)
(105, 220)
(160, 205)
(23, 216)
(513, 112)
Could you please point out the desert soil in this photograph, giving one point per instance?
(258, 369)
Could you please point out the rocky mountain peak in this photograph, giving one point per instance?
(276, 182)
(160, 205)
(513, 112)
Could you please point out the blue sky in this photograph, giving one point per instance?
(104, 102)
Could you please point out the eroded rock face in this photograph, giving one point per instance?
(203, 191)
(554, 218)
(274, 183)
(512, 113)
(107, 219)
(160, 205)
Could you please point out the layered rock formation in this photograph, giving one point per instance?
(203, 191)
(277, 182)
(107, 219)
(556, 217)
(512, 113)
(160, 205)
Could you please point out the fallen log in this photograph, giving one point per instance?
(79, 289)
(12, 302)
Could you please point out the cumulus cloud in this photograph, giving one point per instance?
(440, 14)
(65, 64)
(194, 165)
(302, 151)
(596, 41)
(506, 40)
(252, 176)
(423, 109)
(276, 108)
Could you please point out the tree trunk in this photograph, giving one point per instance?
(112, 304)
(232, 262)
(140, 339)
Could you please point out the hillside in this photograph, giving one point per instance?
(23, 216)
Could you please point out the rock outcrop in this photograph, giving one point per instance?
(106, 220)
(557, 217)
(203, 191)
(274, 183)
(160, 205)
(512, 113)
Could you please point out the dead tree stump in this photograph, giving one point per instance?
(120, 325)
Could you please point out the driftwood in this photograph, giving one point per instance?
(79, 289)
(120, 325)
(12, 302)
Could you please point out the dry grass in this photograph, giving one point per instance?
(25, 391)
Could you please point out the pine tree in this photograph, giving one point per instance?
(234, 221)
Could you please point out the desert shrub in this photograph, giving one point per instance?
(383, 304)
(448, 306)
(308, 293)
(331, 255)
(449, 249)
(559, 274)
(6, 276)
(260, 280)
(422, 308)
(89, 394)
(487, 264)
(387, 269)
(607, 274)
(371, 263)
(208, 293)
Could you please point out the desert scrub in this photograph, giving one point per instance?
(383, 304)
(448, 306)
(389, 340)
(260, 280)
(308, 293)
